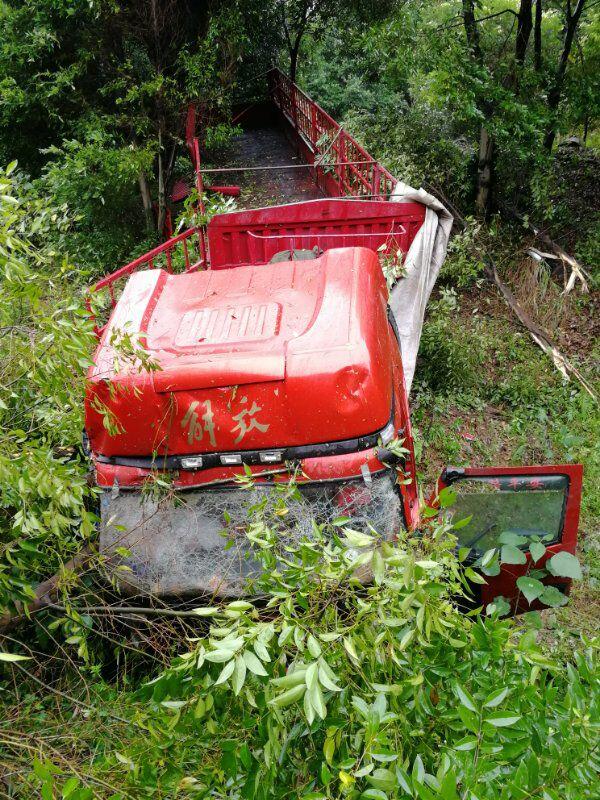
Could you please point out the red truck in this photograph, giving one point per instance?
(271, 343)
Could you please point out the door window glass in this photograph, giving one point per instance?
(528, 507)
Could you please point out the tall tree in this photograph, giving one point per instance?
(537, 36)
(510, 82)
(297, 16)
(571, 22)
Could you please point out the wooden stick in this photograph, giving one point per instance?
(45, 591)
(577, 271)
(541, 337)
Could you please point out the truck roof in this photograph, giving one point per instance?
(273, 355)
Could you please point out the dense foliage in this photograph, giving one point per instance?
(44, 350)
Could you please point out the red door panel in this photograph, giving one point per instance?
(516, 506)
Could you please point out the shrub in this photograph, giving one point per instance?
(464, 263)
(327, 687)
(450, 355)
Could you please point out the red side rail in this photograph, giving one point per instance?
(354, 171)
(183, 253)
(255, 236)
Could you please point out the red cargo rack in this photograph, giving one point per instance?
(183, 253)
(322, 140)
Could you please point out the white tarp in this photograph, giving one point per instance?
(422, 264)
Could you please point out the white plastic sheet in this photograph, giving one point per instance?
(422, 263)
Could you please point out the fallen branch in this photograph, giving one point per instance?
(577, 271)
(45, 591)
(541, 337)
(116, 611)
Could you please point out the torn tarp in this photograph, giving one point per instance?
(422, 263)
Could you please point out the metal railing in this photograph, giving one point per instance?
(185, 252)
(354, 171)
(342, 167)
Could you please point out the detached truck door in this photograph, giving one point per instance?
(526, 515)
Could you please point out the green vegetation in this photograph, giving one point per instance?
(330, 687)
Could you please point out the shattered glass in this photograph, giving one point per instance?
(197, 543)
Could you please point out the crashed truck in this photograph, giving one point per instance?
(275, 347)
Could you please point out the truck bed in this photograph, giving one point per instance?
(260, 145)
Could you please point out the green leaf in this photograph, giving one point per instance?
(69, 787)
(10, 657)
(316, 699)
(448, 789)
(468, 743)
(357, 539)
(239, 675)
(428, 512)
(495, 698)
(462, 523)
(488, 557)
(261, 651)
(312, 675)
(447, 497)
(531, 587)
(501, 719)
(253, 663)
(537, 550)
(291, 679)
(289, 697)
(350, 649)
(240, 605)
(326, 680)
(314, 648)
(226, 672)
(553, 597)
(565, 565)
(378, 567)
(218, 656)
(471, 575)
(500, 606)
(382, 779)
(465, 698)
(330, 636)
(512, 555)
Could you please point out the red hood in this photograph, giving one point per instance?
(273, 355)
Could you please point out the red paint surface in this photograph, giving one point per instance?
(307, 344)
(255, 236)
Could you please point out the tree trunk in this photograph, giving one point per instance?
(162, 195)
(484, 172)
(537, 37)
(294, 53)
(146, 201)
(471, 29)
(486, 144)
(555, 93)
(294, 63)
(524, 27)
